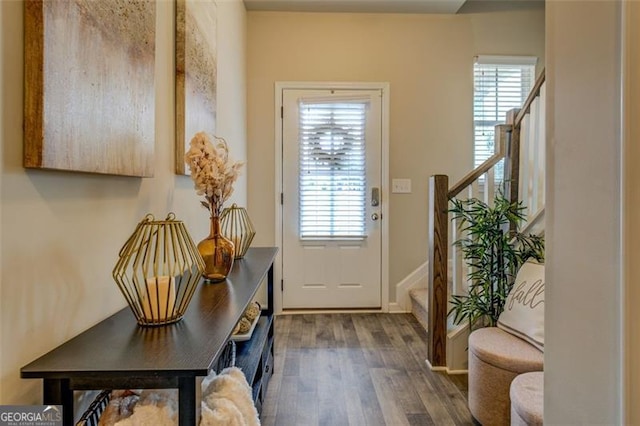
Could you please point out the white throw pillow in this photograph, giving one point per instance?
(523, 314)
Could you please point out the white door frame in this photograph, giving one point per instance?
(384, 189)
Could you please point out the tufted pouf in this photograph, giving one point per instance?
(495, 359)
(527, 399)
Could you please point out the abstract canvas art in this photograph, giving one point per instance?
(89, 86)
(196, 73)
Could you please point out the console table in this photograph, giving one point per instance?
(118, 354)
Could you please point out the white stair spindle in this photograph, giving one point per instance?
(490, 185)
(456, 260)
(524, 162)
(474, 190)
(541, 146)
(533, 158)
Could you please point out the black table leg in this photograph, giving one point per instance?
(187, 401)
(58, 392)
(270, 290)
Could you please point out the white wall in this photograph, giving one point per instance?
(60, 232)
(428, 61)
(583, 218)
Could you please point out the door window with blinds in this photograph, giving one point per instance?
(332, 169)
(500, 84)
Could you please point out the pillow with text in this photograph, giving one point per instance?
(523, 314)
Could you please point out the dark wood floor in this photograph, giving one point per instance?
(358, 369)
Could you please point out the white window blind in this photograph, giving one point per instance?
(500, 83)
(332, 185)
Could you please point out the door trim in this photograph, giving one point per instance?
(384, 269)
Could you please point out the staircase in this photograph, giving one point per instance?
(419, 305)
(518, 170)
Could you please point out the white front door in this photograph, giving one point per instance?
(331, 180)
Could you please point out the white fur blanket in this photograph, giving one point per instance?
(226, 401)
(157, 407)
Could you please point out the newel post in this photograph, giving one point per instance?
(438, 254)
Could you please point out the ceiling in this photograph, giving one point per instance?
(393, 6)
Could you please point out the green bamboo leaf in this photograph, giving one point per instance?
(492, 252)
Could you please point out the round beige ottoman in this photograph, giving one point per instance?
(495, 359)
(527, 399)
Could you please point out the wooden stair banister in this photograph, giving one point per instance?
(508, 148)
(439, 196)
(483, 168)
(532, 95)
(512, 166)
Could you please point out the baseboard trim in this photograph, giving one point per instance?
(395, 308)
(432, 368)
(332, 311)
(445, 369)
(456, 372)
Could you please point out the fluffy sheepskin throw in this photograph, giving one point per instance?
(154, 408)
(150, 415)
(227, 400)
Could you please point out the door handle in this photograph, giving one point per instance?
(375, 197)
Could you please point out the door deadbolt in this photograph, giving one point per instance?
(375, 197)
(374, 216)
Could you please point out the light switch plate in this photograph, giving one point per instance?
(401, 186)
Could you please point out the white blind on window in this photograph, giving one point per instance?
(500, 84)
(332, 185)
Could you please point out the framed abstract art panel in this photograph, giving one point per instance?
(196, 73)
(89, 86)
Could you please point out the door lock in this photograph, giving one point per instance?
(374, 216)
(375, 197)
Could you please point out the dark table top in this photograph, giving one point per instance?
(120, 347)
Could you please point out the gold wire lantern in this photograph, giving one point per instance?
(158, 270)
(236, 226)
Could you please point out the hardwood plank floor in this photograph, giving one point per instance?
(358, 370)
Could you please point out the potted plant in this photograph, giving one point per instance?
(494, 254)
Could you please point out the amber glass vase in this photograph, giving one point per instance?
(217, 252)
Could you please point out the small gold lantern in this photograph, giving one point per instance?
(236, 226)
(158, 270)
